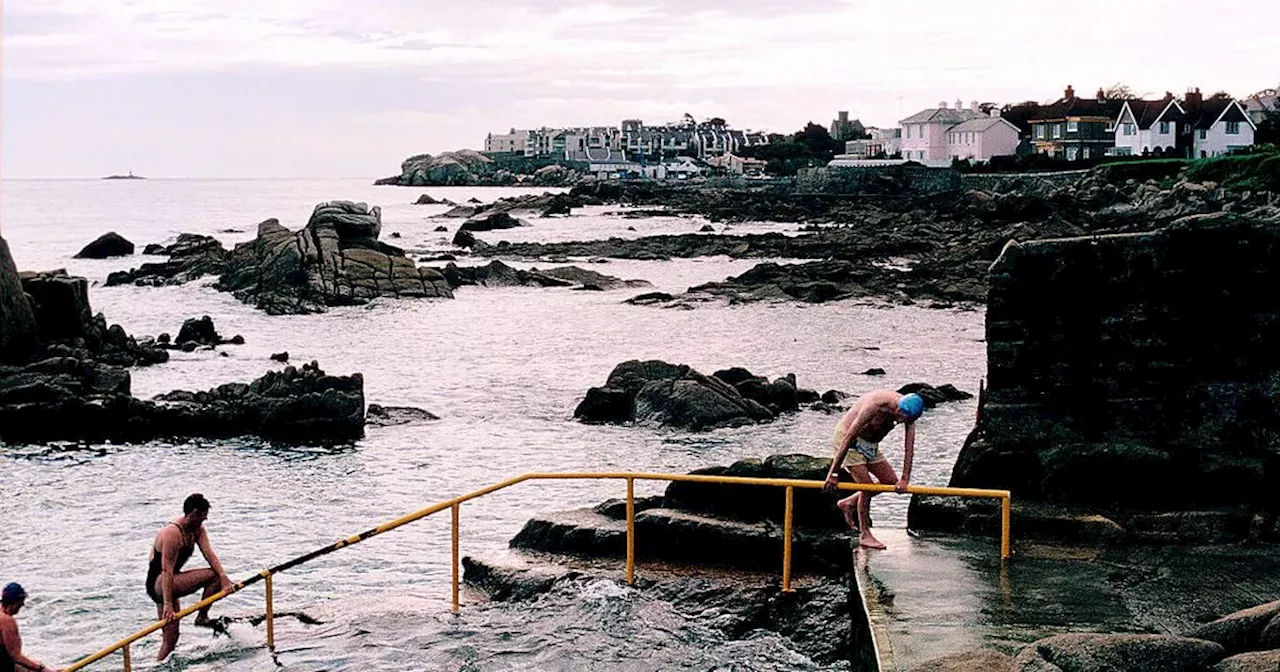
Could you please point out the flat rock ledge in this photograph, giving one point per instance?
(815, 618)
(1245, 641)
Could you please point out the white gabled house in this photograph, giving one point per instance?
(1218, 125)
(1192, 128)
(1150, 127)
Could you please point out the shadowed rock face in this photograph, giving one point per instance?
(18, 332)
(67, 326)
(63, 398)
(335, 260)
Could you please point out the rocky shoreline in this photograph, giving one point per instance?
(64, 377)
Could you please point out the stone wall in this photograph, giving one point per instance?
(18, 333)
(878, 180)
(1134, 370)
(1000, 183)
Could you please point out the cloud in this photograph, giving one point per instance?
(349, 86)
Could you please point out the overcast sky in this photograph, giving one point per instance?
(348, 88)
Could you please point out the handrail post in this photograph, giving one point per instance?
(271, 613)
(128, 660)
(786, 542)
(631, 531)
(455, 557)
(1006, 513)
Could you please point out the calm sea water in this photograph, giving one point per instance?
(504, 368)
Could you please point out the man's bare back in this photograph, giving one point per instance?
(881, 407)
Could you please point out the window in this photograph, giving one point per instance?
(908, 131)
(1071, 153)
(1073, 126)
(1203, 134)
(1129, 129)
(1233, 128)
(1164, 128)
(1057, 131)
(1040, 131)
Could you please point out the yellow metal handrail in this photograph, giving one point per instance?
(630, 477)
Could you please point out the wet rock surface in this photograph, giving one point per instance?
(675, 395)
(391, 416)
(110, 244)
(815, 618)
(1104, 653)
(896, 246)
(498, 274)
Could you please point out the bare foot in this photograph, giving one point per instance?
(868, 541)
(202, 620)
(850, 510)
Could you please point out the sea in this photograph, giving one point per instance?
(503, 368)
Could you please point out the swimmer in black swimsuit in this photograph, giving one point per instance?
(11, 658)
(166, 582)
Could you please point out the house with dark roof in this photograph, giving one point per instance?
(1218, 125)
(1151, 128)
(1074, 128)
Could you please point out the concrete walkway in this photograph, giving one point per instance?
(931, 596)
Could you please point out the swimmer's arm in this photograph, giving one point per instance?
(168, 561)
(206, 549)
(909, 453)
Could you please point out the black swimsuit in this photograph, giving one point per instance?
(6, 661)
(154, 569)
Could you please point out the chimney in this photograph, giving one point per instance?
(844, 117)
(942, 105)
(1102, 95)
(1194, 98)
(973, 105)
(1070, 93)
(995, 112)
(959, 104)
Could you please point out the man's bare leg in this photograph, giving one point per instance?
(170, 632)
(848, 506)
(884, 473)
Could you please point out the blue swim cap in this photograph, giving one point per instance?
(12, 593)
(912, 405)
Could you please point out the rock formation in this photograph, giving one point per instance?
(335, 260)
(110, 244)
(62, 378)
(677, 396)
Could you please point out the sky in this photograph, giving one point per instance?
(349, 88)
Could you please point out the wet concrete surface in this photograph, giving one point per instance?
(929, 596)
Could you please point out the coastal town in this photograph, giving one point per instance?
(1075, 128)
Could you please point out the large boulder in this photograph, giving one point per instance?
(677, 396)
(335, 260)
(1090, 652)
(110, 244)
(493, 222)
(1243, 630)
(18, 331)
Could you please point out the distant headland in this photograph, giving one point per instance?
(130, 176)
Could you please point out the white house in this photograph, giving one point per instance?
(1218, 125)
(937, 136)
(1150, 127)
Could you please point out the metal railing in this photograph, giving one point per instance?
(453, 504)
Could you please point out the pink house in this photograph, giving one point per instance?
(936, 136)
(982, 138)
